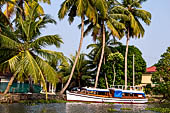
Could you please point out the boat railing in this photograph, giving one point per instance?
(122, 87)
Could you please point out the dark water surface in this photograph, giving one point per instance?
(75, 108)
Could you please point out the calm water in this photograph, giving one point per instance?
(74, 108)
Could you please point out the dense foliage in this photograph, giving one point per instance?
(162, 75)
(140, 66)
(107, 68)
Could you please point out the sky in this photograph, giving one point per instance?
(154, 43)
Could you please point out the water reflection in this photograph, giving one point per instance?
(74, 108)
(103, 108)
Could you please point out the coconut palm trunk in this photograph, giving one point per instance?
(107, 85)
(102, 54)
(77, 56)
(126, 53)
(9, 84)
(114, 72)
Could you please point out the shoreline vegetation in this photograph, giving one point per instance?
(36, 98)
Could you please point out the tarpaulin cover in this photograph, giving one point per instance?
(117, 93)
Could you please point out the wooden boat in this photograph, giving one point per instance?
(116, 94)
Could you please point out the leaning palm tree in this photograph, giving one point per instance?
(22, 51)
(132, 8)
(79, 8)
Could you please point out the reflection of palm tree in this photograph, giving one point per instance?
(22, 50)
(79, 8)
(133, 25)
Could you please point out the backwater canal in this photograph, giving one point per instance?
(78, 108)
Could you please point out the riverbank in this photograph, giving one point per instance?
(40, 98)
(16, 98)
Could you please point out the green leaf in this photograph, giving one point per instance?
(46, 40)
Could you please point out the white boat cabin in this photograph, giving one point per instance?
(114, 92)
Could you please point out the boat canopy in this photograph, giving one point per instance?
(133, 92)
(98, 90)
(118, 93)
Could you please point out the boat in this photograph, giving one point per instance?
(115, 94)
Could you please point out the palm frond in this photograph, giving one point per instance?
(141, 1)
(52, 55)
(91, 12)
(65, 6)
(119, 16)
(7, 42)
(47, 40)
(9, 11)
(89, 29)
(3, 19)
(48, 72)
(72, 14)
(142, 30)
(80, 7)
(45, 1)
(33, 5)
(13, 62)
(31, 67)
(92, 46)
(102, 7)
(113, 29)
(144, 15)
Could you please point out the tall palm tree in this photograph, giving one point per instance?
(132, 8)
(79, 8)
(97, 48)
(22, 50)
(109, 16)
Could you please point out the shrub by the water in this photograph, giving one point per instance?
(125, 109)
(161, 110)
(112, 110)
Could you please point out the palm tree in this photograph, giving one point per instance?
(79, 8)
(97, 48)
(81, 73)
(21, 7)
(110, 16)
(132, 8)
(22, 50)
